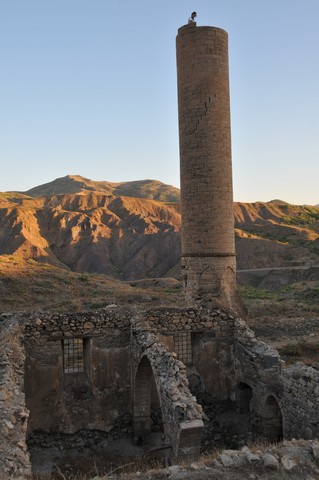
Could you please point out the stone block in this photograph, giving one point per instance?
(288, 463)
(225, 460)
(269, 361)
(315, 452)
(270, 461)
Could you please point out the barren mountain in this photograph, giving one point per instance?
(102, 227)
(150, 189)
(276, 234)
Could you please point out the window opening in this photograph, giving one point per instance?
(183, 347)
(244, 395)
(73, 355)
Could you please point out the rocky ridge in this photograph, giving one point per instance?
(131, 230)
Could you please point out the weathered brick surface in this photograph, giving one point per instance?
(205, 156)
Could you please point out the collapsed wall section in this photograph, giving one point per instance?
(284, 402)
(68, 390)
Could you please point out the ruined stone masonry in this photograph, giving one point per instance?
(14, 456)
(124, 354)
(190, 372)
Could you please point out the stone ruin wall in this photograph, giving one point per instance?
(211, 334)
(295, 388)
(225, 353)
(182, 416)
(300, 401)
(96, 398)
(14, 457)
(99, 397)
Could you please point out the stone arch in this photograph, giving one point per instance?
(272, 420)
(181, 415)
(244, 395)
(144, 386)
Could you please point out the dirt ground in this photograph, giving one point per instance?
(293, 330)
(99, 459)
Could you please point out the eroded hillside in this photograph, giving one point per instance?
(85, 226)
(92, 232)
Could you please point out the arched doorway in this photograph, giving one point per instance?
(272, 420)
(146, 399)
(244, 394)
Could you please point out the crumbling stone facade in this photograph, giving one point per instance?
(80, 399)
(125, 353)
(14, 456)
(284, 402)
(182, 416)
(300, 401)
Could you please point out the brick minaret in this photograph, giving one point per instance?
(208, 246)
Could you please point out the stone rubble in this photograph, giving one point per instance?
(14, 456)
(287, 460)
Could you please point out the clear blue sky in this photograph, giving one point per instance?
(88, 87)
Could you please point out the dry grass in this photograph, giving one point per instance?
(302, 351)
(28, 285)
(286, 318)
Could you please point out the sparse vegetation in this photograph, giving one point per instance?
(251, 293)
(208, 466)
(287, 318)
(27, 285)
(304, 217)
(302, 350)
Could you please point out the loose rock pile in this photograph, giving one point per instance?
(295, 459)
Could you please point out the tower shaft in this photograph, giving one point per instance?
(208, 246)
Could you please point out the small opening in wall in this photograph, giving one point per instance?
(244, 394)
(273, 430)
(73, 355)
(183, 347)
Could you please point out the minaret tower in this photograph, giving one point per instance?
(208, 245)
